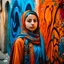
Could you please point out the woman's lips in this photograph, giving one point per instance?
(32, 27)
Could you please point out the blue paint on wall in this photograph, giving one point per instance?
(14, 22)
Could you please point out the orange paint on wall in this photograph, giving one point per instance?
(51, 29)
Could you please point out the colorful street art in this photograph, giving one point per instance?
(51, 15)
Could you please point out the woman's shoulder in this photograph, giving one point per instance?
(18, 41)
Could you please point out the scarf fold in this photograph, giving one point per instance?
(33, 38)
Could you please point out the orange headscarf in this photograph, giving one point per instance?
(25, 15)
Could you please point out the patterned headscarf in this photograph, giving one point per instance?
(33, 37)
(25, 15)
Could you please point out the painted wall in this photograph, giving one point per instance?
(2, 26)
(51, 15)
(16, 8)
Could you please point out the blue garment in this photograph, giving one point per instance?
(37, 52)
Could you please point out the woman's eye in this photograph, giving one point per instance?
(35, 20)
(29, 20)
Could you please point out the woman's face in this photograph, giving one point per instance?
(31, 22)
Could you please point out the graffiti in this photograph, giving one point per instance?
(51, 16)
(15, 19)
(52, 24)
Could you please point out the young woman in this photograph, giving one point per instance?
(28, 48)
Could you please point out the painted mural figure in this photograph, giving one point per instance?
(28, 48)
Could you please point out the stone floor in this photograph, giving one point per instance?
(4, 58)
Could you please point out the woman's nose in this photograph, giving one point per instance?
(32, 22)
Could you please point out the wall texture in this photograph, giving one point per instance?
(51, 15)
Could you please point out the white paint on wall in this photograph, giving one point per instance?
(2, 28)
(2, 31)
